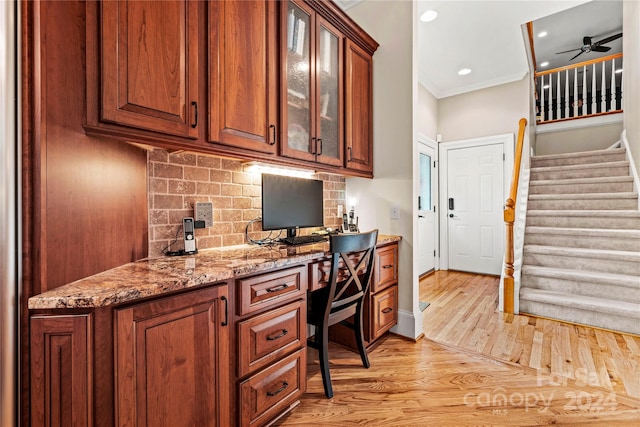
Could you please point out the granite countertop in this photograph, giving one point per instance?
(155, 276)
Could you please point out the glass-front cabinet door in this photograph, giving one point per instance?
(312, 87)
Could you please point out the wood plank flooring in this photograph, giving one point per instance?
(463, 314)
(481, 377)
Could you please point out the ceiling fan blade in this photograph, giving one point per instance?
(600, 49)
(607, 40)
(565, 51)
(581, 52)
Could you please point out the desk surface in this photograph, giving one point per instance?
(156, 276)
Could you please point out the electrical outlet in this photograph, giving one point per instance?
(394, 212)
(203, 211)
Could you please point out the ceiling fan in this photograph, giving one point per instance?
(589, 46)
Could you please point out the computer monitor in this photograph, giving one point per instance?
(289, 203)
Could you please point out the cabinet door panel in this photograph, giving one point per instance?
(359, 110)
(61, 393)
(150, 65)
(243, 74)
(298, 106)
(329, 96)
(172, 359)
(385, 311)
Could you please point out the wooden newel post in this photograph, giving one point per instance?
(509, 220)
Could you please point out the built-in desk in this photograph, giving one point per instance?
(218, 338)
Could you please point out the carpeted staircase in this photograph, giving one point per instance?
(581, 257)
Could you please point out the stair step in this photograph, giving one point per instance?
(616, 219)
(587, 283)
(582, 185)
(589, 201)
(609, 314)
(586, 157)
(583, 259)
(580, 171)
(591, 238)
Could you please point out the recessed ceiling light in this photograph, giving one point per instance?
(545, 87)
(542, 34)
(619, 70)
(464, 71)
(429, 15)
(544, 64)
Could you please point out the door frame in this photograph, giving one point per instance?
(435, 185)
(507, 140)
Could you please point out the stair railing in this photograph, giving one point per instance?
(509, 220)
(586, 89)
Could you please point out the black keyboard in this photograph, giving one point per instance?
(303, 240)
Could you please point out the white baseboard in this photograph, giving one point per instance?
(408, 325)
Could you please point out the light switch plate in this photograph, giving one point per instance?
(203, 211)
(394, 212)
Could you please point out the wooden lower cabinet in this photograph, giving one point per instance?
(60, 370)
(172, 358)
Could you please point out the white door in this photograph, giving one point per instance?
(475, 179)
(426, 210)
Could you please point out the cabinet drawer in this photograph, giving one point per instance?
(266, 337)
(259, 292)
(386, 268)
(270, 391)
(385, 310)
(319, 272)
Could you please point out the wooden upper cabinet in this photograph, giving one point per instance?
(359, 109)
(149, 65)
(311, 86)
(243, 74)
(172, 361)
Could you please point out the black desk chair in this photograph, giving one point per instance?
(343, 297)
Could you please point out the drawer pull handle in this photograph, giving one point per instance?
(387, 310)
(278, 391)
(226, 311)
(277, 288)
(280, 335)
(388, 266)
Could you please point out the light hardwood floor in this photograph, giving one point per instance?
(470, 370)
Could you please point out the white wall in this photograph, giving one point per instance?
(491, 111)
(631, 49)
(579, 139)
(393, 138)
(427, 119)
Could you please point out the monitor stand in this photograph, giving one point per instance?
(291, 232)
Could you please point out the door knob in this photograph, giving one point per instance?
(451, 215)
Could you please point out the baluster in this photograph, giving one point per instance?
(550, 100)
(542, 104)
(558, 103)
(613, 85)
(575, 92)
(622, 90)
(594, 105)
(584, 90)
(566, 94)
(603, 90)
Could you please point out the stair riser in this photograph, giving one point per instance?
(582, 204)
(580, 241)
(588, 289)
(582, 188)
(580, 160)
(622, 223)
(583, 317)
(581, 173)
(582, 264)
